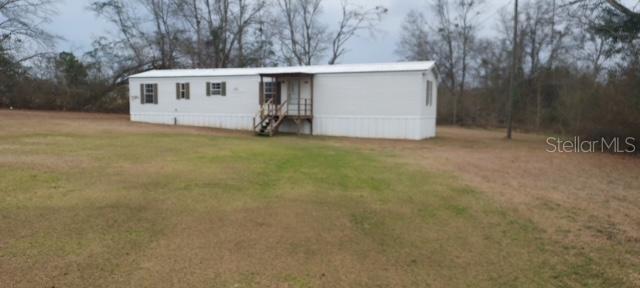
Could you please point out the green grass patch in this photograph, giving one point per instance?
(115, 209)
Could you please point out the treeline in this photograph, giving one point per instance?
(61, 82)
(577, 64)
(577, 61)
(164, 34)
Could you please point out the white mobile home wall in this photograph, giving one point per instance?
(363, 104)
(374, 105)
(233, 111)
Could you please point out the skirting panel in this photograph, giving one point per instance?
(226, 121)
(390, 127)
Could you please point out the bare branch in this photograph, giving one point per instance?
(353, 19)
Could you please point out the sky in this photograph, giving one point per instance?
(78, 27)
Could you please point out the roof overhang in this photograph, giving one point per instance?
(288, 75)
(300, 71)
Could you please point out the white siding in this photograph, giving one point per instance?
(233, 111)
(370, 104)
(373, 105)
(429, 113)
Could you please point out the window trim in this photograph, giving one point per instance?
(215, 91)
(183, 91)
(148, 91)
(429, 93)
(217, 88)
(221, 90)
(273, 93)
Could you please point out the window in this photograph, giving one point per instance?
(182, 91)
(429, 93)
(217, 88)
(149, 93)
(270, 90)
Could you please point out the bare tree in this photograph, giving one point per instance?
(185, 33)
(228, 22)
(414, 43)
(456, 28)
(165, 35)
(446, 51)
(537, 37)
(303, 38)
(197, 26)
(237, 33)
(466, 30)
(132, 38)
(353, 19)
(20, 27)
(249, 15)
(21, 39)
(616, 20)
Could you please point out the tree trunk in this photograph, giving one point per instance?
(199, 45)
(538, 103)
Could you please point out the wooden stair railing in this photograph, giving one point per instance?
(281, 114)
(261, 114)
(271, 116)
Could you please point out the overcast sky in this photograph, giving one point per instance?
(79, 27)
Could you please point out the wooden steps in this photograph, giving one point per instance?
(269, 118)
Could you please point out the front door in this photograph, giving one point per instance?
(293, 96)
(293, 90)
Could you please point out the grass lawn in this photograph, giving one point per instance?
(96, 201)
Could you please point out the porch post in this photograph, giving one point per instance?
(311, 87)
(261, 92)
(299, 93)
(276, 82)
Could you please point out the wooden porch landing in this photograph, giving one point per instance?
(273, 112)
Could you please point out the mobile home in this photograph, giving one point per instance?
(391, 100)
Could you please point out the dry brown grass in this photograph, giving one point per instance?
(522, 174)
(587, 201)
(87, 204)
